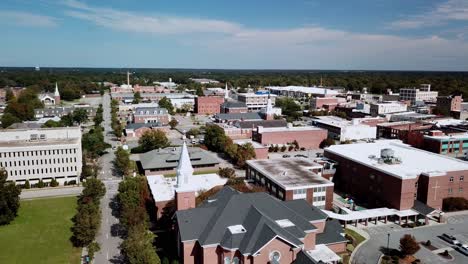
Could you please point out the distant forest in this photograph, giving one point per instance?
(74, 82)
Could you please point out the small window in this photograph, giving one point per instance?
(275, 257)
(462, 178)
(450, 190)
(460, 190)
(451, 179)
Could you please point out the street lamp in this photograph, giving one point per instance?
(388, 242)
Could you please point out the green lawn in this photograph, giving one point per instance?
(41, 233)
(358, 239)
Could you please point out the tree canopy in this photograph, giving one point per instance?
(153, 139)
(9, 199)
(166, 103)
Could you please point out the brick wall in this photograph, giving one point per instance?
(208, 105)
(309, 139)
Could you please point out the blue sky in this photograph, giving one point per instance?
(241, 34)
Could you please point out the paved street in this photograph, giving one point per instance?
(372, 249)
(109, 233)
(50, 192)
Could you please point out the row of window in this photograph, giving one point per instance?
(450, 190)
(36, 153)
(320, 189)
(300, 191)
(42, 171)
(461, 178)
(319, 199)
(36, 162)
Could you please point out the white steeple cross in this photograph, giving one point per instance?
(435, 190)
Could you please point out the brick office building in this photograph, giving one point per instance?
(233, 227)
(308, 137)
(390, 173)
(292, 179)
(208, 105)
(151, 115)
(446, 104)
(233, 107)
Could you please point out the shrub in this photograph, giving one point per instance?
(428, 243)
(445, 253)
(27, 185)
(386, 257)
(283, 148)
(395, 257)
(73, 182)
(290, 148)
(165, 260)
(408, 245)
(54, 183)
(454, 204)
(302, 148)
(92, 249)
(40, 184)
(227, 173)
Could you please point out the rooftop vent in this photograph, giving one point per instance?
(237, 229)
(285, 223)
(387, 156)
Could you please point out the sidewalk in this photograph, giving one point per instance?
(50, 192)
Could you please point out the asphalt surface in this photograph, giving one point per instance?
(109, 236)
(372, 249)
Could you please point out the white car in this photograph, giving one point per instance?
(463, 249)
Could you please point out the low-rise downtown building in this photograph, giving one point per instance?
(308, 137)
(41, 154)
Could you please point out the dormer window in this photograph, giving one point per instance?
(237, 229)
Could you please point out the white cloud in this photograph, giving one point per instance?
(132, 22)
(300, 47)
(451, 10)
(27, 19)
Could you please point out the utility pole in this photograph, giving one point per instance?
(388, 243)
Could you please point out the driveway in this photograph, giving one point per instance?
(371, 250)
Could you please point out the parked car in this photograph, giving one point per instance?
(286, 156)
(300, 156)
(114, 147)
(450, 239)
(463, 249)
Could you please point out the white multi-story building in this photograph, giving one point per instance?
(387, 108)
(256, 101)
(341, 129)
(421, 94)
(41, 154)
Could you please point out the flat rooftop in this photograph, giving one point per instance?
(413, 161)
(37, 143)
(341, 122)
(304, 89)
(288, 129)
(255, 144)
(290, 173)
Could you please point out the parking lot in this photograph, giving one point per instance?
(456, 226)
(306, 153)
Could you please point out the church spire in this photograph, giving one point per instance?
(56, 93)
(269, 107)
(184, 168)
(226, 92)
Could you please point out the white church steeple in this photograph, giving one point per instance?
(184, 169)
(226, 92)
(56, 93)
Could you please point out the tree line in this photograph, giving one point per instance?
(133, 198)
(87, 221)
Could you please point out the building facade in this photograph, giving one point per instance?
(41, 154)
(151, 115)
(291, 179)
(307, 137)
(447, 104)
(256, 101)
(208, 105)
(422, 94)
(391, 174)
(387, 108)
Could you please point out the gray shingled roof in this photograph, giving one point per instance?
(231, 104)
(168, 158)
(331, 234)
(140, 125)
(239, 116)
(263, 123)
(256, 212)
(422, 208)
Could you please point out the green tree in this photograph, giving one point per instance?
(153, 139)
(80, 116)
(27, 185)
(93, 189)
(244, 152)
(67, 120)
(193, 132)
(9, 96)
(408, 245)
(122, 161)
(86, 223)
(326, 143)
(137, 248)
(52, 123)
(166, 103)
(9, 199)
(289, 107)
(136, 98)
(173, 123)
(92, 249)
(215, 139)
(227, 173)
(9, 119)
